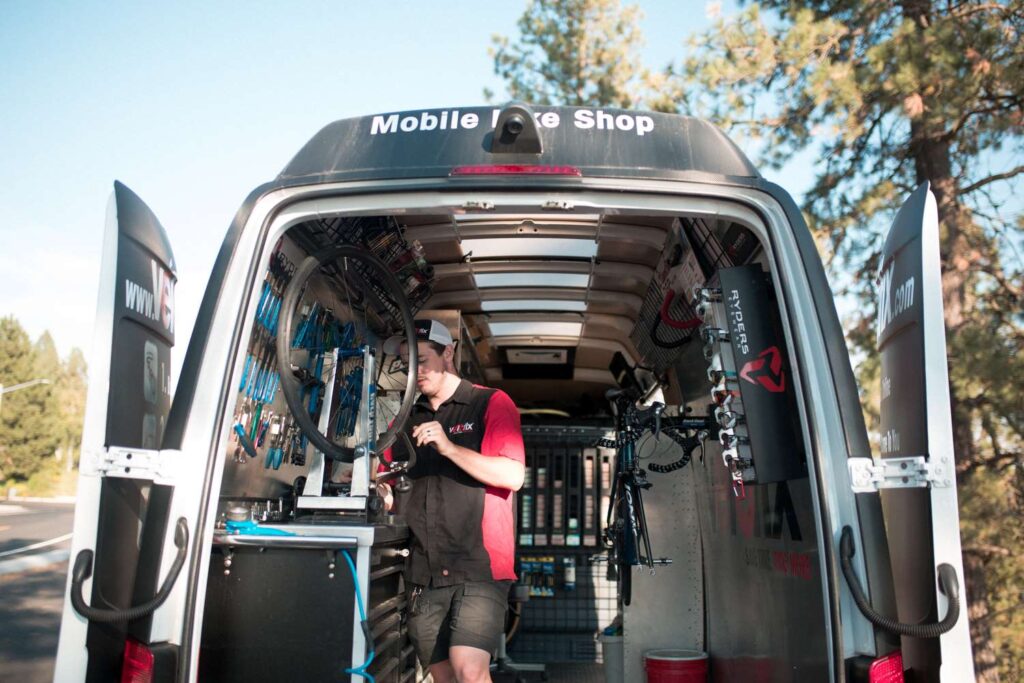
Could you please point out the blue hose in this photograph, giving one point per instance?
(361, 669)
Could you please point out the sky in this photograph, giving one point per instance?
(194, 104)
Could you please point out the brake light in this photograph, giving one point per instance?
(138, 663)
(888, 669)
(515, 169)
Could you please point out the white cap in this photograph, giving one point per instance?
(426, 330)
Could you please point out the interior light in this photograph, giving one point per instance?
(534, 305)
(512, 247)
(548, 328)
(548, 217)
(578, 280)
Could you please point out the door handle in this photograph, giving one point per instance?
(83, 570)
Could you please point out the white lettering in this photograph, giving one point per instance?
(428, 121)
(382, 125)
(138, 299)
(584, 119)
(884, 285)
(155, 273)
(892, 303)
(890, 442)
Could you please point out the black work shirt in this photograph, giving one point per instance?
(462, 529)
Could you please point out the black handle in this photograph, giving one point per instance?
(83, 570)
(948, 584)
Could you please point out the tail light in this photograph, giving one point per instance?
(138, 663)
(888, 669)
(515, 169)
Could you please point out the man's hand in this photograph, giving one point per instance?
(432, 433)
(384, 491)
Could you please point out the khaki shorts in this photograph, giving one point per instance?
(470, 614)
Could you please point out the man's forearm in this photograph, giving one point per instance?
(497, 471)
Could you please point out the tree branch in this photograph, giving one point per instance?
(986, 550)
(991, 179)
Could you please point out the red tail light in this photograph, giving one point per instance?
(138, 663)
(888, 669)
(515, 169)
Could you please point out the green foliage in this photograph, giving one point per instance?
(52, 478)
(38, 420)
(576, 52)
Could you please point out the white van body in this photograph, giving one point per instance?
(757, 579)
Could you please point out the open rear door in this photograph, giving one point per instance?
(918, 483)
(122, 519)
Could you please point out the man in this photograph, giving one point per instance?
(460, 511)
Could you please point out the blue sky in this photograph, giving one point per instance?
(194, 104)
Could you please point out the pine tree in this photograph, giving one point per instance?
(27, 427)
(71, 391)
(576, 52)
(888, 95)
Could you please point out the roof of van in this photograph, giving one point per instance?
(600, 142)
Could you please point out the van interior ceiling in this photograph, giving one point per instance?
(557, 307)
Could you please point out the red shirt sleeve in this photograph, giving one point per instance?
(503, 434)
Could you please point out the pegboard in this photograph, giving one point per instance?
(667, 609)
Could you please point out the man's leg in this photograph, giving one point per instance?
(477, 624)
(471, 665)
(442, 672)
(429, 627)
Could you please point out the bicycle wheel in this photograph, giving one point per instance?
(370, 299)
(629, 555)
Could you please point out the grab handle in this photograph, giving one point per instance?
(948, 584)
(83, 570)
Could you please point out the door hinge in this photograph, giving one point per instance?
(132, 463)
(868, 475)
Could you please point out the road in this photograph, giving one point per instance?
(31, 587)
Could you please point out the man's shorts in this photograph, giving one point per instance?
(470, 614)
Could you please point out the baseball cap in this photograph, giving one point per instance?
(426, 330)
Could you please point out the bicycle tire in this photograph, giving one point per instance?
(290, 387)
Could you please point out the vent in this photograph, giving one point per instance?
(537, 356)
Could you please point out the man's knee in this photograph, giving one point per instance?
(442, 672)
(471, 665)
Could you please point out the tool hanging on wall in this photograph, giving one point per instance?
(320, 333)
(260, 382)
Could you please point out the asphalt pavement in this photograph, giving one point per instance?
(34, 546)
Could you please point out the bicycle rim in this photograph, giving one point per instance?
(290, 386)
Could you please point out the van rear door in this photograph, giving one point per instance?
(127, 551)
(920, 508)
